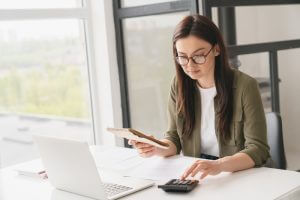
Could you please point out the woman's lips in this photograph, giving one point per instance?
(193, 71)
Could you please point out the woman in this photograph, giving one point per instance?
(215, 112)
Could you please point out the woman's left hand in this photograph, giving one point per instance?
(207, 167)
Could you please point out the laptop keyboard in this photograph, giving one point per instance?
(114, 189)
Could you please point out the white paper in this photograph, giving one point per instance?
(157, 168)
(116, 158)
(127, 162)
(32, 170)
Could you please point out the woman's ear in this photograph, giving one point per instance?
(217, 50)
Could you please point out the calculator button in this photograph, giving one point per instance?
(184, 182)
(190, 182)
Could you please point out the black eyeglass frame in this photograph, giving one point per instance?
(193, 59)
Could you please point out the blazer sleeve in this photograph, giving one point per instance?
(172, 134)
(255, 130)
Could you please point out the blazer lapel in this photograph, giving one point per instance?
(197, 130)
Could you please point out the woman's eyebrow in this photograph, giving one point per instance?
(193, 51)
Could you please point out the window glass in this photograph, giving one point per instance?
(257, 66)
(150, 69)
(43, 85)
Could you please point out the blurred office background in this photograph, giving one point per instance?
(75, 67)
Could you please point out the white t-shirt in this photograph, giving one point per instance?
(209, 143)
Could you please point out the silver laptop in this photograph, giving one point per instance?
(70, 166)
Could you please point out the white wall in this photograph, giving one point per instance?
(105, 73)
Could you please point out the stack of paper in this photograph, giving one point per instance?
(37, 170)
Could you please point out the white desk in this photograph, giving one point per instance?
(257, 183)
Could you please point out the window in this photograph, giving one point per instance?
(144, 32)
(150, 69)
(255, 66)
(44, 79)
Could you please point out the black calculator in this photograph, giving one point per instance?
(177, 185)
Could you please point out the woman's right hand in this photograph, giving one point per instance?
(145, 150)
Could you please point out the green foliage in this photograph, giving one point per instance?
(43, 77)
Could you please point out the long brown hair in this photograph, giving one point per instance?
(203, 28)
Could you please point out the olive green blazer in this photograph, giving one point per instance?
(248, 132)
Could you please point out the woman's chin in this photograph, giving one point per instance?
(194, 75)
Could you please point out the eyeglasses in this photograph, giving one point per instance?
(197, 59)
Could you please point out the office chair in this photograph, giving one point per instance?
(275, 139)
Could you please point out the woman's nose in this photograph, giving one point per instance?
(190, 64)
